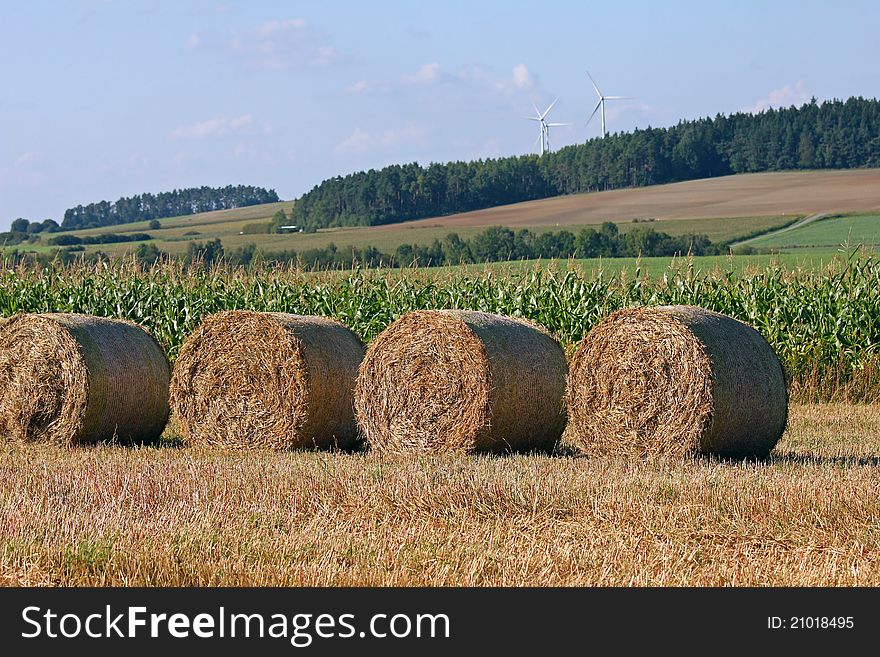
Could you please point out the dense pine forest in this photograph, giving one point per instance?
(831, 135)
(165, 204)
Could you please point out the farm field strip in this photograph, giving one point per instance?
(176, 240)
(827, 233)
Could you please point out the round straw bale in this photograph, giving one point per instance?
(461, 381)
(72, 379)
(674, 380)
(249, 379)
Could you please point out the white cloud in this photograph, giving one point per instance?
(216, 127)
(796, 94)
(26, 158)
(360, 141)
(361, 86)
(326, 56)
(282, 44)
(426, 74)
(274, 27)
(357, 142)
(244, 149)
(522, 79)
(473, 80)
(193, 41)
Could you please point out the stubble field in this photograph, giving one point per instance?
(808, 515)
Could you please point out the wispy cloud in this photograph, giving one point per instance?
(521, 79)
(326, 56)
(425, 75)
(270, 28)
(215, 127)
(791, 94)
(26, 158)
(193, 41)
(273, 45)
(360, 141)
(363, 86)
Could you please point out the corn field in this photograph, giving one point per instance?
(825, 325)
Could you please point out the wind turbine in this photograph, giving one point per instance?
(601, 104)
(544, 127)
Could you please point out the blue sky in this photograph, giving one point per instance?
(102, 99)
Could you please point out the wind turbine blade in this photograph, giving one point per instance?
(598, 105)
(547, 111)
(540, 137)
(530, 118)
(554, 125)
(598, 93)
(537, 112)
(618, 97)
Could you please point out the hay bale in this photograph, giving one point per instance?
(674, 380)
(71, 379)
(248, 379)
(461, 381)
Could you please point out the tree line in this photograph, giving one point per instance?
(178, 202)
(494, 244)
(834, 134)
(102, 238)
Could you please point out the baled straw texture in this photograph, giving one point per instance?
(440, 381)
(673, 380)
(71, 379)
(248, 379)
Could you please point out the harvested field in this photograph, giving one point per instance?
(806, 516)
(745, 195)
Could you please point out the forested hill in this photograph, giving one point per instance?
(165, 204)
(834, 134)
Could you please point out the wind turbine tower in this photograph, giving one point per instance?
(601, 104)
(544, 127)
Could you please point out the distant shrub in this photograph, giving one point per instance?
(65, 240)
(104, 238)
(257, 229)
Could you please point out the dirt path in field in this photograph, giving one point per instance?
(799, 224)
(744, 195)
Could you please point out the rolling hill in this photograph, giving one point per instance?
(724, 208)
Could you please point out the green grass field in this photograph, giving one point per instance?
(826, 234)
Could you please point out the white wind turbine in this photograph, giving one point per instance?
(544, 127)
(601, 104)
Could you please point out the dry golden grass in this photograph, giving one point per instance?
(809, 515)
